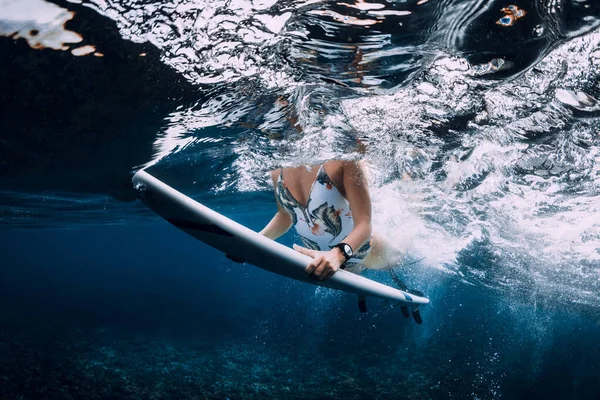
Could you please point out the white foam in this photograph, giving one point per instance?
(39, 22)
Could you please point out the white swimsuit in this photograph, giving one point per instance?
(326, 220)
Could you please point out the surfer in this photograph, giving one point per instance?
(330, 208)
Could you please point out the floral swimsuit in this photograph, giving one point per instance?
(326, 220)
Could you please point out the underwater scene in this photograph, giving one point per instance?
(478, 125)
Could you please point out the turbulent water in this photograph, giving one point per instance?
(479, 123)
(479, 120)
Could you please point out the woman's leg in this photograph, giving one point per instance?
(383, 255)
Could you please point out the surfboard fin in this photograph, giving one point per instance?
(417, 315)
(415, 307)
(362, 304)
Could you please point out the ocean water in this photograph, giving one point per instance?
(479, 123)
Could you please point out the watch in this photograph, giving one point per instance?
(346, 250)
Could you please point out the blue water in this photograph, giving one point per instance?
(477, 120)
(142, 311)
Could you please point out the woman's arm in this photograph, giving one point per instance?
(278, 225)
(357, 194)
(281, 222)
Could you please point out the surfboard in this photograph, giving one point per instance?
(240, 242)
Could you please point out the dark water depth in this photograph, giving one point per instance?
(479, 124)
(117, 312)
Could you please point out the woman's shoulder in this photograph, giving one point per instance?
(337, 169)
(343, 165)
(342, 171)
(275, 172)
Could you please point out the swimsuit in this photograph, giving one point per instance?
(326, 220)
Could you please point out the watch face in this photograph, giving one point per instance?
(348, 250)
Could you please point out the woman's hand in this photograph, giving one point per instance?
(324, 263)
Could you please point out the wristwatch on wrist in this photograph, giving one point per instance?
(346, 250)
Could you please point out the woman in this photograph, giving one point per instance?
(330, 208)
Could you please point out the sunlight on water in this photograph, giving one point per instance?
(42, 25)
(479, 121)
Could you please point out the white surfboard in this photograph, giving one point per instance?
(236, 240)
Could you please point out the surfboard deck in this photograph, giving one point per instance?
(240, 242)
